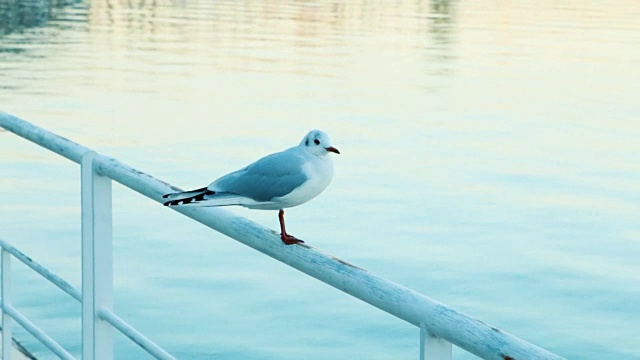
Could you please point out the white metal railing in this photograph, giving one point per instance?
(7, 250)
(440, 326)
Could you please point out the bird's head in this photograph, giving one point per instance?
(317, 142)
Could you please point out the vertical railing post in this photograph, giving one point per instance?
(5, 292)
(97, 261)
(432, 347)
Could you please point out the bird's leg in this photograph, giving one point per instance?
(286, 238)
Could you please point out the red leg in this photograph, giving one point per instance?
(286, 238)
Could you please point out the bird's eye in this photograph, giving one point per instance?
(316, 141)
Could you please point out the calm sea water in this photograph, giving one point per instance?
(490, 160)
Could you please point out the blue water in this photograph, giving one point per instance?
(490, 160)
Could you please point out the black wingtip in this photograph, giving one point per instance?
(178, 202)
(188, 200)
(166, 196)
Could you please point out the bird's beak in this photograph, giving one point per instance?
(332, 149)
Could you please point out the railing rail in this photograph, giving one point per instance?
(48, 275)
(440, 326)
(134, 335)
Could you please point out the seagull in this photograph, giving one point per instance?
(275, 182)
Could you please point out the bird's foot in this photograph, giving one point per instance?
(289, 239)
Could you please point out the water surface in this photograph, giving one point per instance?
(490, 160)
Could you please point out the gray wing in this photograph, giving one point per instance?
(272, 176)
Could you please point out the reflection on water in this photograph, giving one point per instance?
(487, 149)
(20, 15)
(269, 36)
(442, 29)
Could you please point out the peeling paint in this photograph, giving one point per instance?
(346, 263)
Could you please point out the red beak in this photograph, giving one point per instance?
(332, 149)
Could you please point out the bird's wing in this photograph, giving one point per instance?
(272, 176)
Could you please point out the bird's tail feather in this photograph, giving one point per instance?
(203, 197)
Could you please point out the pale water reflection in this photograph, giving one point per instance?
(489, 160)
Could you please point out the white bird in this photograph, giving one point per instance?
(275, 182)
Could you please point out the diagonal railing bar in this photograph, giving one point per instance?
(51, 277)
(436, 321)
(134, 335)
(46, 139)
(45, 339)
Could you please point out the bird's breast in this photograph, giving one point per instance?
(319, 174)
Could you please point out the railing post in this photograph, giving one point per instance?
(432, 347)
(97, 261)
(5, 290)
